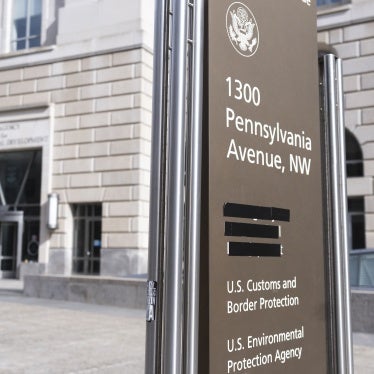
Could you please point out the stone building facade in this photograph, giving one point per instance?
(348, 27)
(75, 120)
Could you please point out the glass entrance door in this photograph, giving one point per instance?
(11, 228)
(8, 253)
(20, 191)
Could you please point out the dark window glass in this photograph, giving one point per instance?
(30, 238)
(356, 205)
(356, 220)
(358, 232)
(31, 193)
(9, 237)
(34, 42)
(7, 265)
(79, 237)
(14, 168)
(97, 209)
(35, 22)
(355, 166)
(87, 238)
(8, 244)
(31, 211)
(96, 267)
(78, 266)
(20, 27)
(26, 24)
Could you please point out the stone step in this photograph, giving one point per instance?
(122, 292)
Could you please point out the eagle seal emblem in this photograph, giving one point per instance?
(242, 29)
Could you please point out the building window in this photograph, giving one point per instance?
(356, 205)
(332, 2)
(356, 223)
(355, 166)
(26, 24)
(87, 238)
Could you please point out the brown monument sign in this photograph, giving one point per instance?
(268, 286)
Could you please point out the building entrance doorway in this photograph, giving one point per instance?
(11, 229)
(20, 190)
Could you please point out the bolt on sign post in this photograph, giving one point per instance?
(248, 264)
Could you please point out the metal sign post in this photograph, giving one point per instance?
(268, 291)
(174, 244)
(276, 301)
(334, 125)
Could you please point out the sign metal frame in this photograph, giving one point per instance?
(172, 342)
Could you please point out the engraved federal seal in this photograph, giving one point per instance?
(242, 29)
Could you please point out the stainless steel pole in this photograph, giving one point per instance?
(2, 197)
(193, 276)
(173, 297)
(157, 202)
(343, 219)
(340, 252)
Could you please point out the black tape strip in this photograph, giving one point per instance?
(251, 230)
(254, 249)
(256, 212)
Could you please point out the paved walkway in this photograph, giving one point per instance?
(52, 337)
(363, 353)
(47, 336)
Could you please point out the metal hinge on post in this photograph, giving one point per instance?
(151, 300)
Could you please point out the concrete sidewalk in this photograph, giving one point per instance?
(52, 337)
(363, 353)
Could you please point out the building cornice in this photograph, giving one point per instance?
(53, 54)
(345, 15)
